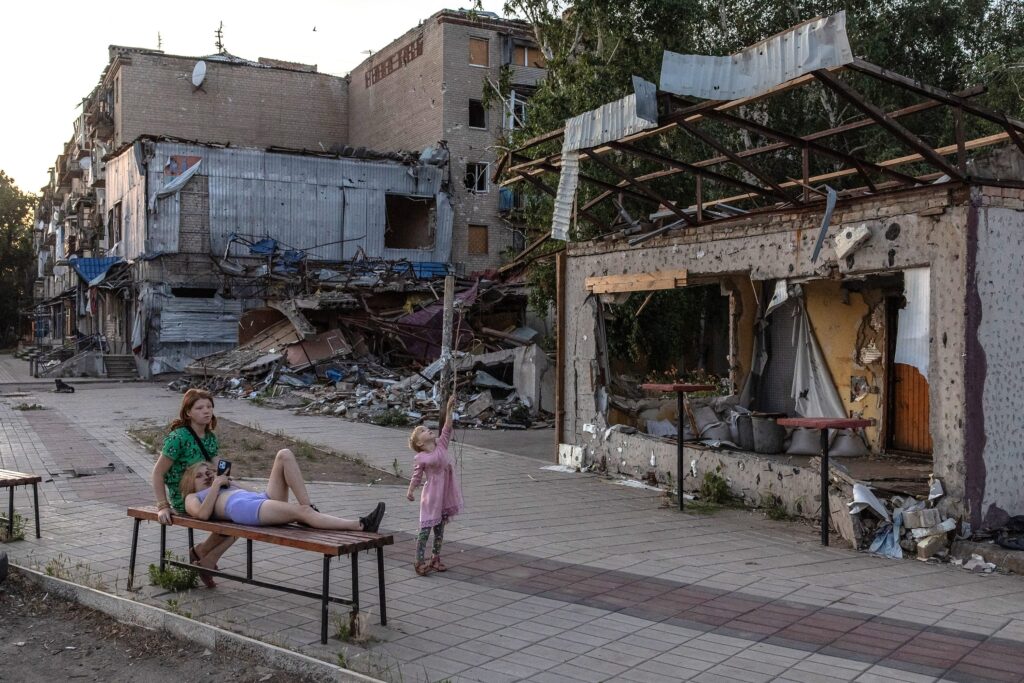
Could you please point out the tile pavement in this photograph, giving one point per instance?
(553, 577)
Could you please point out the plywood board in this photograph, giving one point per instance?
(636, 282)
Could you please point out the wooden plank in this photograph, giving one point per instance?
(11, 478)
(825, 422)
(323, 541)
(911, 424)
(636, 282)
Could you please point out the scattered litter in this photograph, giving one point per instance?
(561, 468)
(634, 484)
(863, 498)
(978, 565)
(20, 643)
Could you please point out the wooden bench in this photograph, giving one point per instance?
(11, 479)
(327, 543)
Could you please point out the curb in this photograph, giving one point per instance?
(205, 635)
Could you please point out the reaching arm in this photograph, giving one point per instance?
(204, 510)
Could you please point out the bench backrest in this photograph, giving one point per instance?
(324, 541)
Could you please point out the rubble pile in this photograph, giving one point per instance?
(380, 362)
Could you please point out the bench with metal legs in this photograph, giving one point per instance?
(327, 543)
(11, 480)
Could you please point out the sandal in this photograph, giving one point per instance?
(423, 568)
(437, 565)
(204, 575)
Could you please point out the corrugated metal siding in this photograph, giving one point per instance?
(188, 319)
(125, 184)
(300, 201)
(812, 45)
(611, 121)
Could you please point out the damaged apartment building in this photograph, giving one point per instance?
(195, 189)
(831, 283)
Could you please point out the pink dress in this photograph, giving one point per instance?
(441, 498)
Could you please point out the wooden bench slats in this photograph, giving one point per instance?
(324, 541)
(12, 478)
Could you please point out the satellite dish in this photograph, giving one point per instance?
(198, 73)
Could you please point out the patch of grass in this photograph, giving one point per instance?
(60, 567)
(392, 417)
(774, 508)
(714, 489)
(251, 445)
(342, 660)
(19, 528)
(173, 578)
(305, 450)
(29, 406)
(396, 468)
(174, 606)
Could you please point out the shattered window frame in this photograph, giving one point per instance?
(481, 114)
(477, 179)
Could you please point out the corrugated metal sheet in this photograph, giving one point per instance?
(188, 319)
(812, 45)
(610, 121)
(301, 201)
(567, 182)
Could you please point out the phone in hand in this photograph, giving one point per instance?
(223, 469)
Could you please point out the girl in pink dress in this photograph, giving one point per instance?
(441, 498)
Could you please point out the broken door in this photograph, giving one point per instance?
(910, 424)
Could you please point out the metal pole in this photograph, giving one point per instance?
(10, 513)
(826, 507)
(446, 345)
(355, 582)
(681, 407)
(163, 546)
(131, 560)
(248, 558)
(380, 586)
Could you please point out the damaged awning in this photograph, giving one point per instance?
(93, 270)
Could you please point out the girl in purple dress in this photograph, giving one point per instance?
(441, 498)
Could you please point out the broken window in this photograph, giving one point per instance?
(476, 177)
(477, 114)
(668, 335)
(528, 55)
(478, 52)
(477, 239)
(115, 224)
(515, 111)
(409, 222)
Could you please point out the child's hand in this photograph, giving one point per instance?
(410, 496)
(451, 403)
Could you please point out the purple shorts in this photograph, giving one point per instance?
(243, 507)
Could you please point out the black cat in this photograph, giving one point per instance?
(63, 387)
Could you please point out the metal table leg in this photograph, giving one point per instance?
(681, 409)
(163, 546)
(826, 507)
(355, 583)
(10, 513)
(248, 558)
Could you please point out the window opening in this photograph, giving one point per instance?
(409, 222)
(476, 177)
(477, 114)
(528, 55)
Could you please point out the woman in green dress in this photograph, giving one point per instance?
(191, 441)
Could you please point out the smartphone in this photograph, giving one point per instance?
(223, 468)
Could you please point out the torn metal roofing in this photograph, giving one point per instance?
(816, 44)
(613, 120)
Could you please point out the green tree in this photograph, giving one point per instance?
(16, 259)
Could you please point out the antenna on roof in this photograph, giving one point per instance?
(159, 41)
(220, 38)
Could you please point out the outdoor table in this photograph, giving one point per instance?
(824, 424)
(680, 390)
(10, 480)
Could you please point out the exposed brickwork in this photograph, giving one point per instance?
(240, 104)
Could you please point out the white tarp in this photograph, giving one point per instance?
(611, 121)
(812, 45)
(912, 328)
(813, 389)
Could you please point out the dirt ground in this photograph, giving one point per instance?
(252, 452)
(45, 639)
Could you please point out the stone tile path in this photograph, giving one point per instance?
(554, 577)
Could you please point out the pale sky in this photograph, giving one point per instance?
(52, 52)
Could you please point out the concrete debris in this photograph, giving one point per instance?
(922, 519)
(976, 564)
(930, 546)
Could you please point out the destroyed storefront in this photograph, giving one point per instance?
(829, 284)
(213, 231)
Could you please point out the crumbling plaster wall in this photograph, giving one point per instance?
(999, 274)
(779, 245)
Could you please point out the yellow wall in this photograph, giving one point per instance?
(837, 326)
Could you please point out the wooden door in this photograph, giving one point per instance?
(910, 424)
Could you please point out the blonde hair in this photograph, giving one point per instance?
(413, 443)
(187, 486)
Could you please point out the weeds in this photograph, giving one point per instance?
(396, 468)
(29, 406)
(342, 660)
(305, 450)
(714, 489)
(392, 417)
(173, 578)
(774, 508)
(174, 607)
(19, 528)
(60, 567)
(251, 445)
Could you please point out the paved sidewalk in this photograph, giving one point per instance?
(554, 577)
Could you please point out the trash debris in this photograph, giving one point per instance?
(978, 565)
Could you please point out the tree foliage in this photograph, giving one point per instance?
(593, 47)
(16, 261)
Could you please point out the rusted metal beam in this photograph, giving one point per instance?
(696, 170)
(525, 252)
(795, 141)
(650, 192)
(742, 163)
(934, 93)
(895, 128)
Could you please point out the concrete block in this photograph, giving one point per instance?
(930, 546)
(921, 519)
(942, 528)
